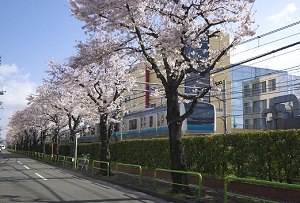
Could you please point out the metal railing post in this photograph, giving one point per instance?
(130, 165)
(183, 172)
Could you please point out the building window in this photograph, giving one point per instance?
(256, 89)
(257, 123)
(263, 86)
(264, 104)
(247, 108)
(272, 85)
(256, 107)
(247, 91)
(247, 124)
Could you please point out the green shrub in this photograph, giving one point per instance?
(151, 153)
(266, 155)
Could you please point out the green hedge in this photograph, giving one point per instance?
(151, 153)
(266, 155)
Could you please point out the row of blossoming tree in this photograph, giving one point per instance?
(90, 85)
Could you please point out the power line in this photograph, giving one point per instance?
(271, 32)
(259, 46)
(276, 56)
(254, 58)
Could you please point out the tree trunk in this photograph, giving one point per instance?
(177, 157)
(72, 142)
(43, 138)
(34, 142)
(26, 142)
(104, 137)
(57, 144)
(30, 145)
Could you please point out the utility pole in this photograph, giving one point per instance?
(224, 107)
(1, 91)
(1, 103)
(220, 95)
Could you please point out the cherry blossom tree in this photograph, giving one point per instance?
(69, 99)
(15, 130)
(24, 125)
(30, 121)
(160, 32)
(103, 76)
(53, 120)
(63, 103)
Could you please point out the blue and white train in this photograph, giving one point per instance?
(152, 123)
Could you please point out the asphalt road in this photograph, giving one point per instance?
(27, 180)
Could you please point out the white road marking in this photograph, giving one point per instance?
(26, 167)
(41, 176)
(19, 162)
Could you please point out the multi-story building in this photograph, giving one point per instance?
(240, 89)
(256, 94)
(259, 92)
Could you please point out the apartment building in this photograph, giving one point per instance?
(259, 92)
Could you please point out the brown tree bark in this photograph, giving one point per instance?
(105, 139)
(177, 156)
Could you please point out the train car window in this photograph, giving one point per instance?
(93, 131)
(158, 119)
(116, 128)
(133, 124)
(150, 121)
(162, 119)
(124, 125)
(143, 122)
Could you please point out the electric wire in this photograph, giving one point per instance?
(271, 32)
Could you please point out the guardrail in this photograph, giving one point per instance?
(36, 154)
(69, 161)
(61, 159)
(47, 157)
(261, 182)
(100, 162)
(41, 156)
(182, 172)
(130, 165)
(53, 158)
